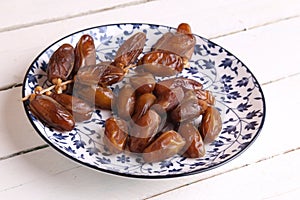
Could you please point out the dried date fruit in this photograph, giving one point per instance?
(169, 100)
(142, 83)
(210, 125)
(77, 107)
(166, 145)
(85, 53)
(115, 134)
(51, 112)
(101, 97)
(142, 104)
(143, 131)
(130, 50)
(102, 74)
(205, 95)
(185, 83)
(161, 63)
(184, 28)
(180, 42)
(188, 109)
(194, 146)
(61, 63)
(125, 102)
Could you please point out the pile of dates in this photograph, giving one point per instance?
(157, 119)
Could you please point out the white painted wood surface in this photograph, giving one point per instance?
(263, 34)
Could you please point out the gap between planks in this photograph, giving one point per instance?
(26, 25)
(225, 172)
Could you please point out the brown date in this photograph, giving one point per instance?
(188, 109)
(194, 146)
(169, 100)
(143, 130)
(142, 104)
(185, 83)
(115, 135)
(161, 63)
(51, 112)
(210, 125)
(85, 53)
(182, 42)
(166, 145)
(129, 51)
(101, 97)
(184, 28)
(205, 95)
(61, 63)
(77, 107)
(125, 102)
(102, 74)
(142, 83)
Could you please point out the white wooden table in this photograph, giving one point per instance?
(264, 34)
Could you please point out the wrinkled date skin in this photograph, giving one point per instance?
(143, 131)
(205, 95)
(188, 109)
(166, 145)
(161, 63)
(143, 83)
(182, 42)
(125, 102)
(51, 113)
(102, 74)
(130, 50)
(169, 100)
(61, 63)
(142, 105)
(85, 53)
(101, 97)
(116, 133)
(194, 146)
(211, 125)
(185, 83)
(77, 107)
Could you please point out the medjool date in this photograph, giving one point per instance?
(125, 102)
(85, 53)
(143, 131)
(51, 112)
(161, 63)
(188, 109)
(77, 107)
(130, 50)
(166, 145)
(194, 146)
(142, 83)
(61, 63)
(142, 105)
(103, 74)
(115, 134)
(210, 125)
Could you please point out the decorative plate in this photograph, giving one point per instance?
(239, 98)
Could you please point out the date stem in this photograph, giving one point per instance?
(47, 89)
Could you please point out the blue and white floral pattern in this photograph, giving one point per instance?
(239, 98)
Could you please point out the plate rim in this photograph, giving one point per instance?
(128, 175)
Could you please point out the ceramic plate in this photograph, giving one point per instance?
(239, 99)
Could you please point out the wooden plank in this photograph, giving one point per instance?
(265, 50)
(213, 19)
(16, 133)
(43, 11)
(258, 181)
